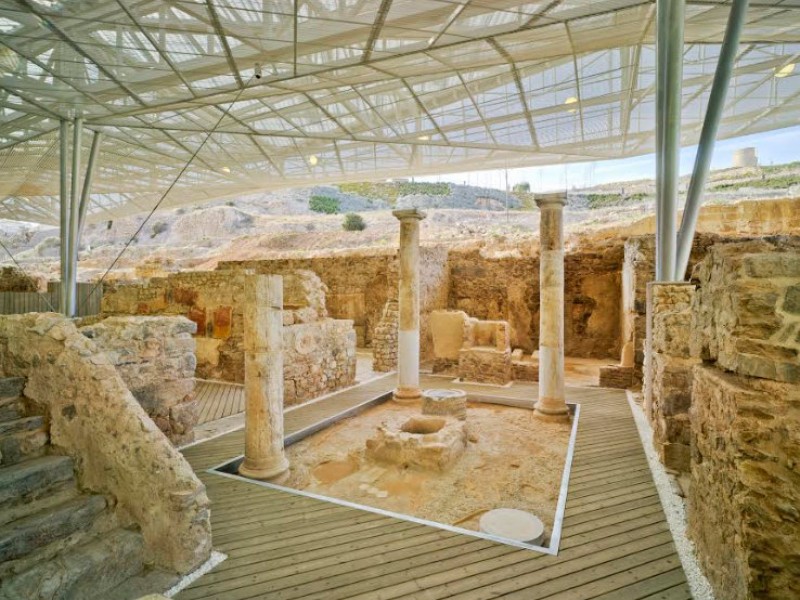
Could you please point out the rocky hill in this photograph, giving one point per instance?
(308, 219)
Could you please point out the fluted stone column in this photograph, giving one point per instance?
(408, 301)
(264, 457)
(551, 306)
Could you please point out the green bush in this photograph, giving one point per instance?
(409, 188)
(353, 222)
(523, 186)
(324, 204)
(779, 182)
(159, 227)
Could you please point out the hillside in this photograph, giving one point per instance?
(310, 219)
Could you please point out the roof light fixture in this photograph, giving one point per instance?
(313, 160)
(569, 101)
(785, 71)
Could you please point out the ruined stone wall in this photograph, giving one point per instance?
(117, 449)
(384, 340)
(668, 389)
(155, 356)
(507, 288)
(360, 283)
(745, 423)
(638, 269)
(319, 351)
(13, 279)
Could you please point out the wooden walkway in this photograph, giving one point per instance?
(615, 541)
(218, 399)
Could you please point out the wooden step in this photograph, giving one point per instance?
(86, 571)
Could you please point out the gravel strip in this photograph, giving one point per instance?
(213, 560)
(674, 508)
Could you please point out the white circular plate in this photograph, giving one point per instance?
(513, 524)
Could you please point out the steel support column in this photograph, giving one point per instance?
(669, 79)
(72, 229)
(64, 213)
(708, 136)
(87, 182)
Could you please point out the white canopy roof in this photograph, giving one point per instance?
(354, 89)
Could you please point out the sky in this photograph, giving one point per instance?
(773, 147)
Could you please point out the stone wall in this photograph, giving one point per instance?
(384, 339)
(319, 351)
(359, 283)
(745, 484)
(668, 387)
(744, 423)
(155, 356)
(638, 269)
(506, 288)
(117, 449)
(13, 279)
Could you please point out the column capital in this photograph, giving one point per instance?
(556, 199)
(409, 213)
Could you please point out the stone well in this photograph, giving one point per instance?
(443, 402)
(430, 443)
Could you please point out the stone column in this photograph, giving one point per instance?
(408, 300)
(264, 457)
(551, 306)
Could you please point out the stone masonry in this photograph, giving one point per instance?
(486, 354)
(384, 339)
(155, 356)
(319, 351)
(745, 425)
(668, 392)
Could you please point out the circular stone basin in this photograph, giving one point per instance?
(445, 402)
(432, 443)
(513, 524)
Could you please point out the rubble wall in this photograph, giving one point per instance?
(668, 392)
(506, 288)
(155, 356)
(638, 269)
(319, 351)
(360, 283)
(14, 279)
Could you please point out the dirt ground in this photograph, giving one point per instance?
(516, 462)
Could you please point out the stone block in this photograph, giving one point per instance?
(448, 328)
(614, 376)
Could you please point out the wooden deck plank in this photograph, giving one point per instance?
(615, 539)
(646, 587)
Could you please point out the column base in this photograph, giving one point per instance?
(551, 410)
(272, 469)
(406, 395)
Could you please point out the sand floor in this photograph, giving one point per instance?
(516, 461)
